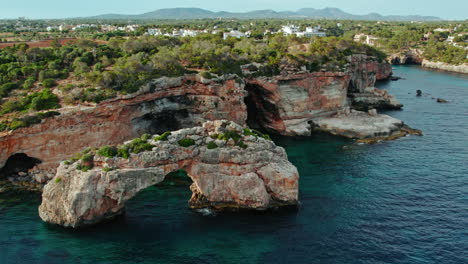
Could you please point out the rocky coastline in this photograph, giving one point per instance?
(462, 68)
(294, 102)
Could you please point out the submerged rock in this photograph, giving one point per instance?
(250, 172)
(440, 100)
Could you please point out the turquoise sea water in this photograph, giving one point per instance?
(404, 201)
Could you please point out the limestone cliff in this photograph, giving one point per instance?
(164, 104)
(231, 167)
(289, 103)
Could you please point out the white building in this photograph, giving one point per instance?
(310, 31)
(84, 26)
(366, 39)
(154, 32)
(189, 33)
(233, 34)
(52, 28)
(289, 29)
(314, 31)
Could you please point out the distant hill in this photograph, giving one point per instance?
(327, 13)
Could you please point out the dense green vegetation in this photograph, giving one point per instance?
(437, 51)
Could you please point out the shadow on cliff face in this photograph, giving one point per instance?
(160, 122)
(408, 60)
(260, 111)
(166, 114)
(17, 163)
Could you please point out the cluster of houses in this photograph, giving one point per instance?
(289, 30)
(104, 28)
(175, 33)
(372, 40)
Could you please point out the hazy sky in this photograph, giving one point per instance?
(447, 9)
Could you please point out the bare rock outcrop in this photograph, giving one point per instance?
(231, 167)
(462, 68)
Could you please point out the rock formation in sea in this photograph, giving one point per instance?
(232, 167)
(294, 102)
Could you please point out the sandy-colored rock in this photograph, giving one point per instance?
(462, 68)
(359, 125)
(229, 177)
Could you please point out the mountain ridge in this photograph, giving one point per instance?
(199, 13)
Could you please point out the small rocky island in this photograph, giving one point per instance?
(231, 167)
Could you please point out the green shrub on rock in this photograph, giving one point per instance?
(163, 137)
(212, 145)
(256, 133)
(83, 168)
(138, 145)
(230, 134)
(186, 142)
(242, 144)
(87, 157)
(123, 152)
(107, 151)
(145, 137)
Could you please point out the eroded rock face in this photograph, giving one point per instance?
(373, 98)
(284, 104)
(228, 176)
(362, 93)
(164, 104)
(411, 56)
(288, 104)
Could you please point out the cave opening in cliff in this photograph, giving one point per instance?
(260, 111)
(17, 163)
(410, 61)
(396, 61)
(160, 122)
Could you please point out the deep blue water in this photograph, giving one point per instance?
(404, 201)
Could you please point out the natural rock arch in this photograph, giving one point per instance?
(253, 175)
